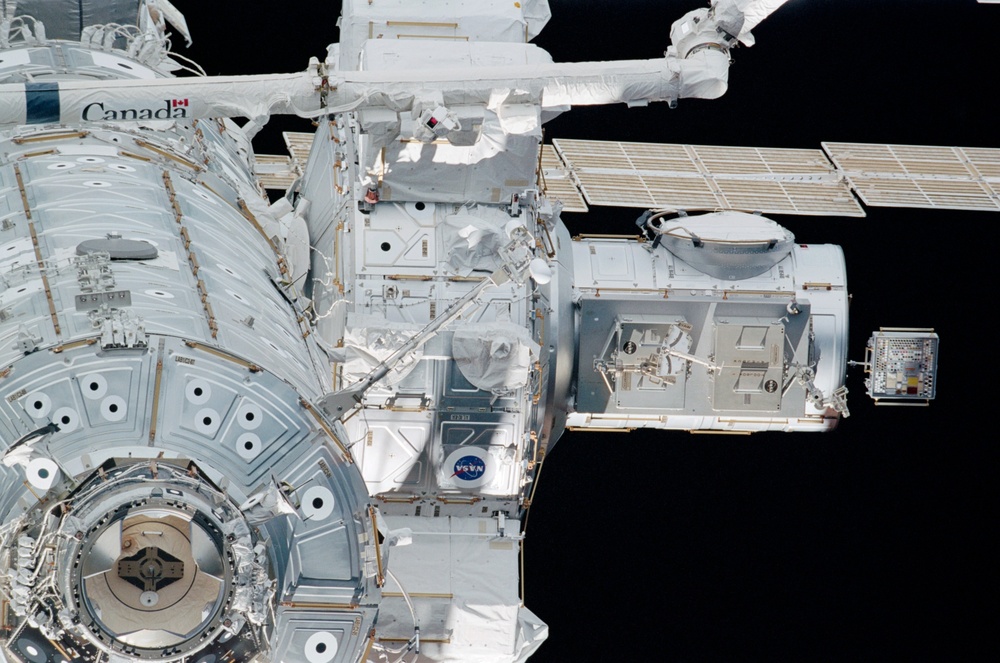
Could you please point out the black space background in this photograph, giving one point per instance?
(871, 543)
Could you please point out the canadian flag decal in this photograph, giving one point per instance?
(179, 102)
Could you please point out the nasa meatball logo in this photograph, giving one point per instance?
(469, 468)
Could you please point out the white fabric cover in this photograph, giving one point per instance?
(171, 98)
(64, 18)
(484, 21)
(494, 357)
(470, 243)
(370, 340)
(483, 621)
(555, 86)
(756, 11)
(489, 171)
(266, 503)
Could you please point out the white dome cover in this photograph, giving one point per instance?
(727, 245)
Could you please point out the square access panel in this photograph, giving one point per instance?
(750, 357)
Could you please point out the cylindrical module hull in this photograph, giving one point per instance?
(146, 322)
(664, 345)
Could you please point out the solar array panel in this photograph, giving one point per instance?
(920, 175)
(706, 177)
(556, 181)
(275, 172)
(298, 143)
(827, 182)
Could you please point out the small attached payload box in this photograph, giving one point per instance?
(902, 365)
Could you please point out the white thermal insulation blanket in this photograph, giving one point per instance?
(462, 579)
(370, 340)
(461, 20)
(495, 357)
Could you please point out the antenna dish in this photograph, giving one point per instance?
(540, 271)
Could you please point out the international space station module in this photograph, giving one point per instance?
(307, 427)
